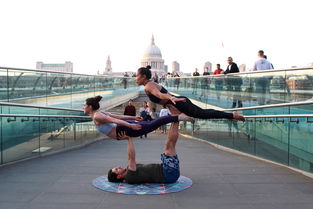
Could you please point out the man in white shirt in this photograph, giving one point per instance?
(262, 63)
(164, 112)
(262, 82)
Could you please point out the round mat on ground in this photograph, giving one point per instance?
(124, 188)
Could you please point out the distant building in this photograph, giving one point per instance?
(108, 67)
(153, 57)
(299, 82)
(175, 67)
(208, 65)
(165, 68)
(242, 68)
(108, 71)
(60, 67)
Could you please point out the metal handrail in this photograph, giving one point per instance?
(86, 117)
(252, 72)
(271, 105)
(280, 116)
(232, 109)
(44, 116)
(241, 73)
(51, 71)
(38, 106)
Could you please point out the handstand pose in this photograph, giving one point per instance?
(166, 172)
(111, 124)
(158, 94)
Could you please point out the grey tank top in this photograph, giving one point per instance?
(106, 127)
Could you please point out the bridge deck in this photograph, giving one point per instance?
(221, 180)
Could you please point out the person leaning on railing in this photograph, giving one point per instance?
(233, 83)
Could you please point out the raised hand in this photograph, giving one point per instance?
(174, 100)
(135, 126)
(137, 118)
(122, 135)
(238, 117)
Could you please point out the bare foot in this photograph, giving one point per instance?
(183, 117)
(238, 117)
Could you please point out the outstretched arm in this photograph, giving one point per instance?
(125, 117)
(130, 151)
(152, 89)
(131, 155)
(107, 119)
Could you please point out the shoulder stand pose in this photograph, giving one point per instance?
(158, 94)
(111, 124)
(165, 172)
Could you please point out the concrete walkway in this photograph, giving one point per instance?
(221, 180)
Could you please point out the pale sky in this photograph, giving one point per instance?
(189, 32)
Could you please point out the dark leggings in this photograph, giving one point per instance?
(146, 126)
(193, 110)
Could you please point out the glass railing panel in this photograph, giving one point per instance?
(52, 134)
(301, 143)
(70, 132)
(123, 85)
(230, 134)
(246, 92)
(82, 89)
(91, 86)
(249, 112)
(44, 111)
(124, 82)
(300, 85)
(76, 133)
(207, 93)
(77, 86)
(233, 87)
(104, 87)
(22, 85)
(178, 85)
(86, 132)
(301, 109)
(282, 139)
(184, 128)
(59, 90)
(102, 83)
(272, 111)
(219, 132)
(226, 132)
(132, 83)
(246, 89)
(45, 88)
(20, 138)
(7, 109)
(271, 137)
(84, 84)
(23, 136)
(278, 89)
(243, 136)
(268, 87)
(31, 110)
(280, 110)
(4, 109)
(3, 85)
